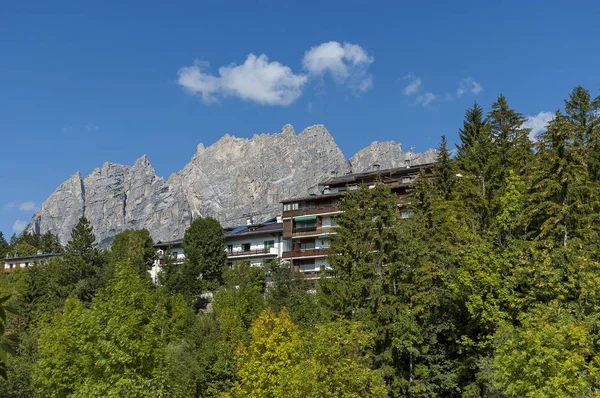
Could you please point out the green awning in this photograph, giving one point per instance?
(305, 218)
(327, 235)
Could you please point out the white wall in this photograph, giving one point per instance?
(257, 242)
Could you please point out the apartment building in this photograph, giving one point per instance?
(309, 221)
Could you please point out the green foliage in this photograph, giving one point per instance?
(135, 246)
(490, 288)
(204, 246)
(292, 290)
(4, 247)
(329, 361)
(267, 365)
(550, 354)
(117, 347)
(23, 249)
(7, 341)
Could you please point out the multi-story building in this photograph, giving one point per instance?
(17, 261)
(309, 222)
(255, 243)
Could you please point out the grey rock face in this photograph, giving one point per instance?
(388, 155)
(228, 180)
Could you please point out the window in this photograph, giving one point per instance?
(290, 206)
(269, 244)
(307, 205)
(174, 255)
(229, 249)
(230, 264)
(307, 265)
(245, 247)
(306, 224)
(406, 213)
(307, 245)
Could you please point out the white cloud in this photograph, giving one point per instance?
(257, 80)
(468, 85)
(19, 226)
(347, 64)
(414, 86)
(27, 206)
(91, 127)
(426, 98)
(538, 123)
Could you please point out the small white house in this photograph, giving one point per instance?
(14, 261)
(255, 243)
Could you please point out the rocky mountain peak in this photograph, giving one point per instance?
(227, 180)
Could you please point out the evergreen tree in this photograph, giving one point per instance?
(4, 247)
(49, 243)
(83, 263)
(563, 197)
(476, 168)
(365, 277)
(511, 139)
(444, 171)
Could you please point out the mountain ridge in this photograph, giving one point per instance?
(228, 180)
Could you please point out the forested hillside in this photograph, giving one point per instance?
(489, 289)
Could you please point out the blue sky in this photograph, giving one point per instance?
(82, 83)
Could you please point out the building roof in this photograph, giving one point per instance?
(313, 197)
(232, 232)
(356, 177)
(33, 256)
(255, 229)
(176, 242)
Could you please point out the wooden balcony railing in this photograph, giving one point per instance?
(306, 253)
(310, 212)
(248, 252)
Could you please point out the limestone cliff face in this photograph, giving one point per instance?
(228, 180)
(388, 155)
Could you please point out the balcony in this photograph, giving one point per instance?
(323, 209)
(248, 253)
(306, 253)
(299, 232)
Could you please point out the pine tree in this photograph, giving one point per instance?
(511, 139)
(83, 262)
(444, 170)
(583, 114)
(4, 247)
(476, 168)
(563, 196)
(50, 243)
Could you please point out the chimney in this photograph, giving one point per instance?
(249, 220)
(333, 173)
(376, 166)
(39, 252)
(279, 219)
(407, 161)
